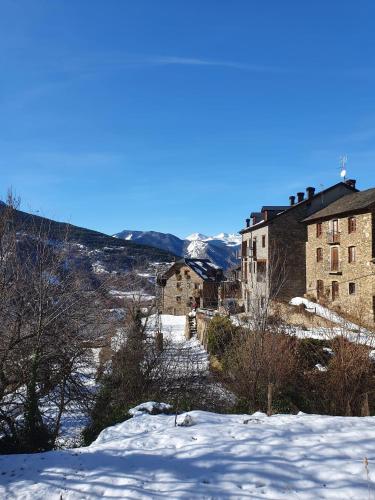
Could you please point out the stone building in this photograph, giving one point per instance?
(274, 245)
(188, 283)
(340, 255)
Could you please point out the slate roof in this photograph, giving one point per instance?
(289, 208)
(204, 268)
(352, 202)
(275, 208)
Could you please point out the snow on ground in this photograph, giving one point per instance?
(134, 295)
(187, 357)
(98, 268)
(74, 418)
(219, 456)
(325, 313)
(350, 330)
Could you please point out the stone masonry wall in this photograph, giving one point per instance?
(180, 291)
(361, 272)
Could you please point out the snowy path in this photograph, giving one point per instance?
(221, 456)
(184, 357)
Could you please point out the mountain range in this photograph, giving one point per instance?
(128, 249)
(91, 250)
(221, 249)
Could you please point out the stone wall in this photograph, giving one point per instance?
(361, 272)
(181, 291)
(286, 238)
(202, 324)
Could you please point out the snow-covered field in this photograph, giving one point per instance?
(220, 456)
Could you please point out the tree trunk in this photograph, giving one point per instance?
(269, 399)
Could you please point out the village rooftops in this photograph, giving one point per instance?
(351, 203)
(204, 268)
(304, 201)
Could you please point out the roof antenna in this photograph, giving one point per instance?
(343, 161)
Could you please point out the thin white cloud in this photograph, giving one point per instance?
(193, 61)
(103, 61)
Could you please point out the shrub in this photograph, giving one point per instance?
(220, 333)
(261, 368)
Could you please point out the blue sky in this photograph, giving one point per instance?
(182, 116)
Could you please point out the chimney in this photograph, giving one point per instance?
(351, 183)
(292, 200)
(300, 197)
(310, 191)
(247, 222)
(265, 215)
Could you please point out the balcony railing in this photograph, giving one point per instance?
(333, 237)
(334, 267)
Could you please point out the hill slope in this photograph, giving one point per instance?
(101, 250)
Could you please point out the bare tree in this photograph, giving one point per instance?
(47, 320)
(267, 285)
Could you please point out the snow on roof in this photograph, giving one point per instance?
(204, 268)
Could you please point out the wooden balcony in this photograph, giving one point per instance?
(333, 267)
(333, 237)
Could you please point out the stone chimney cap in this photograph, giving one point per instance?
(351, 182)
(310, 191)
(300, 196)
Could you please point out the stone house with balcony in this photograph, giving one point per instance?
(190, 283)
(340, 255)
(274, 245)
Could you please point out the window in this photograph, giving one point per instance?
(351, 288)
(320, 289)
(351, 254)
(335, 226)
(352, 225)
(334, 259)
(335, 290)
(178, 299)
(254, 248)
(244, 249)
(263, 242)
(319, 254)
(319, 229)
(261, 271)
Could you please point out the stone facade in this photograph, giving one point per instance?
(182, 288)
(340, 263)
(279, 242)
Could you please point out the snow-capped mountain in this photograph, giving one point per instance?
(196, 236)
(221, 249)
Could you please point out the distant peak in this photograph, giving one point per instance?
(196, 236)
